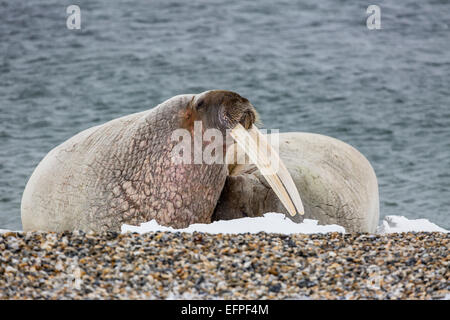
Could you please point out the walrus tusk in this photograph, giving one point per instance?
(267, 160)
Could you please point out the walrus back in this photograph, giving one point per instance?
(55, 197)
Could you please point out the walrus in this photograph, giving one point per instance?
(122, 171)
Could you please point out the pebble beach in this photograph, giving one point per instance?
(166, 265)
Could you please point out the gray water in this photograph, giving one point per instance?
(305, 65)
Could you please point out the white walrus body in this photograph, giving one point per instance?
(122, 171)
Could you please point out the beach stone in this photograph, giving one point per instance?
(143, 266)
(336, 182)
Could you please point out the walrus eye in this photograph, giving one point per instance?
(200, 104)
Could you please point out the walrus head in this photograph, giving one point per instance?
(230, 112)
(220, 109)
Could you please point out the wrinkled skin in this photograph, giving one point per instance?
(121, 172)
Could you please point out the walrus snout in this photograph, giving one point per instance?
(224, 109)
(248, 118)
(237, 109)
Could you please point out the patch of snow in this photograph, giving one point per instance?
(392, 224)
(278, 223)
(270, 223)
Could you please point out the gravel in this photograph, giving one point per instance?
(76, 265)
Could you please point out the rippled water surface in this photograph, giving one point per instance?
(306, 66)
